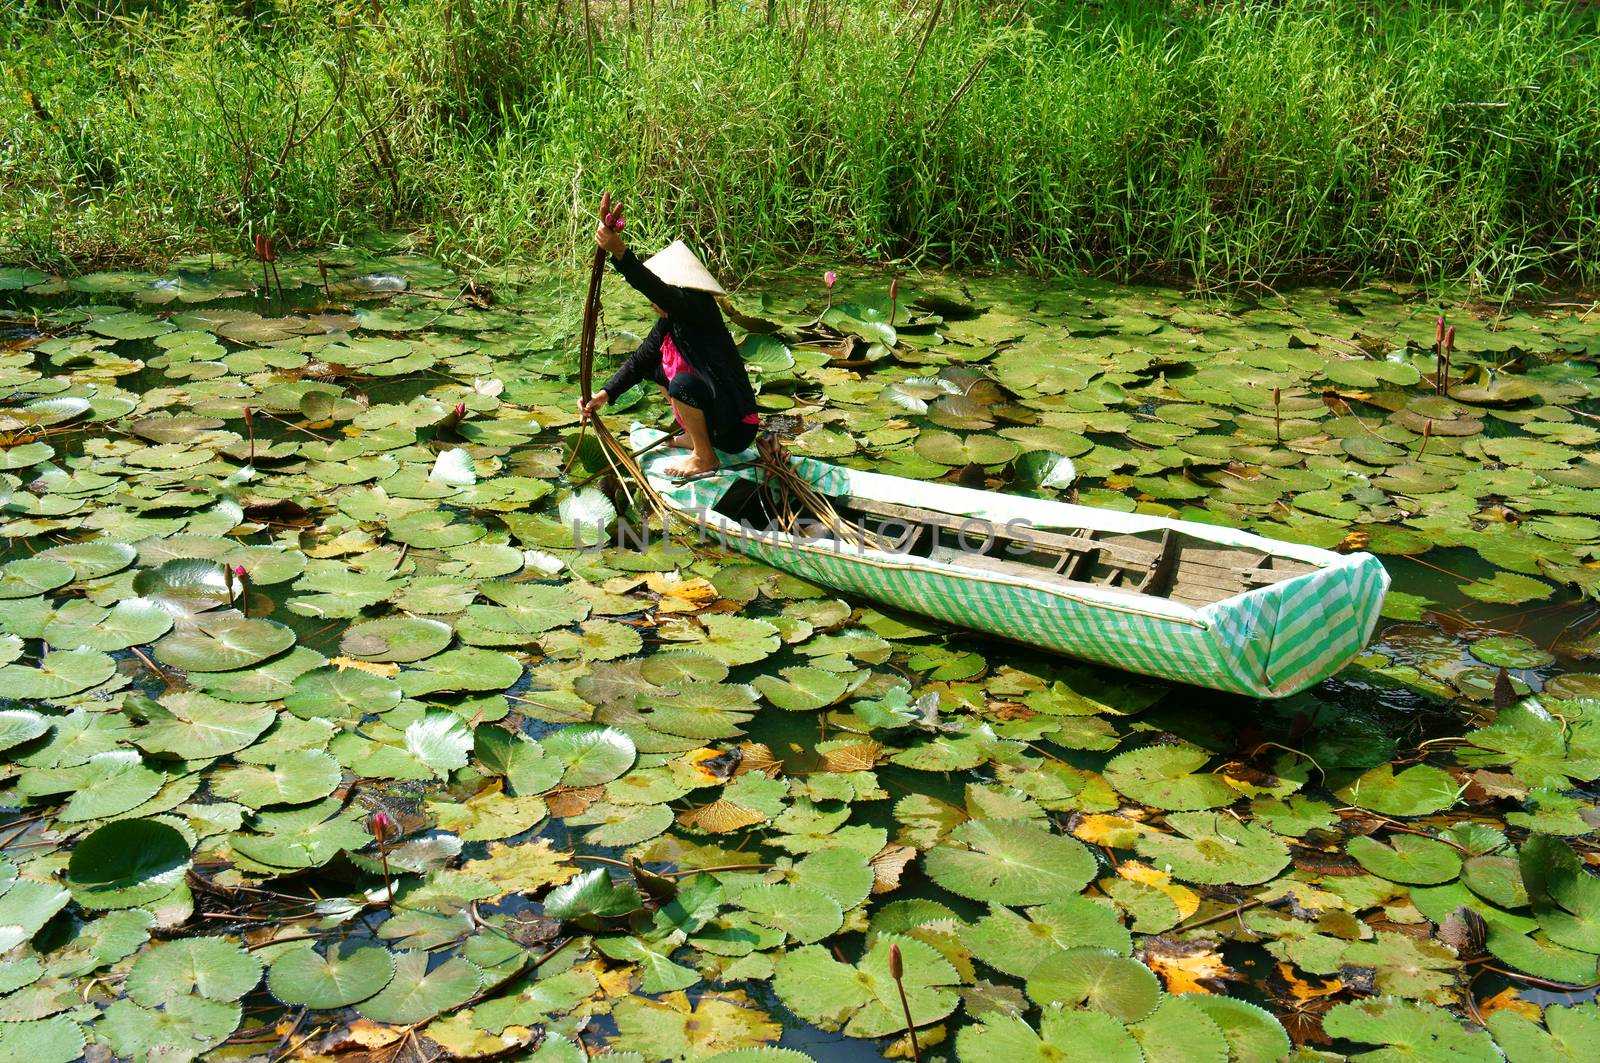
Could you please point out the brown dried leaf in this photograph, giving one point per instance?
(1508, 999)
(862, 756)
(385, 670)
(678, 595)
(887, 865)
(1464, 931)
(721, 817)
(757, 756)
(1114, 832)
(564, 803)
(1185, 899)
(1188, 966)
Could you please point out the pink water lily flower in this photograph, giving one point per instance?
(830, 278)
(382, 826)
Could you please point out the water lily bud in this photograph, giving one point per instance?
(897, 968)
(622, 223)
(249, 415)
(1438, 331)
(382, 827)
(1450, 338)
(829, 278)
(238, 570)
(461, 410)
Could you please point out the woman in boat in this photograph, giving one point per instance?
(689, 353)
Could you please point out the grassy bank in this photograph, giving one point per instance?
(1256, 141)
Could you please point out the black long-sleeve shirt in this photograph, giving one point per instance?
(695, 323)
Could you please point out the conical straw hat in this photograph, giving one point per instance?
(678, 266)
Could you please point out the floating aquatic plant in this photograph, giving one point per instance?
(650, 794)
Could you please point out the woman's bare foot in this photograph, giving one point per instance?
(693, 465)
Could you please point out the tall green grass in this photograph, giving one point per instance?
(1231, 141)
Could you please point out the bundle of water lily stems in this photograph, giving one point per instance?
(624, 463)
(795, 503)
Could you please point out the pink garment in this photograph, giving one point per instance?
(673, 363)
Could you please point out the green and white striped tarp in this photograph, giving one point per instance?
(1269, 642)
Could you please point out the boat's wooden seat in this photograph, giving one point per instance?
(1175, 565)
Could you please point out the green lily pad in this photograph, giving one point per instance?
(1164, 776)
(1064, 1033)
(1214, 849)
(224, 644)
(20, 725)
(864, 999)
(805, 914)
(1417, 791)
(1415, 1031)
(1567, 1036)
(1010, 862)
(348, 974)
(1096, 978)
(403, 639)
(212, 967)
(1407, 858)
(56, 1039)
(61, 674)
(128, 863)
(29, 576)
(1564, 894)
(341, 693)
(91, 560)
(460, 670)
(1252, 1033)
(949, 449)
(194, 726)
(441, 740)
(1509, 651)
(593, 755)
(182, 1027)
(122, 783)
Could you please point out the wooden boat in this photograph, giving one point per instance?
(1191, 602)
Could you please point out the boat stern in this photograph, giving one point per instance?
(1281, 639)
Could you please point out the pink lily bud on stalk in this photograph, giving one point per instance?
(897, 971)
(244, 591)
(1438, 333)
(894, 294)
(461, 411)
(383, 828)
(1427, 432)
(1277, 414)
(830, 278)
(1449, 349)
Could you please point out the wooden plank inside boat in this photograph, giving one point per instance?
(1164, 563)
(1171, 565)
